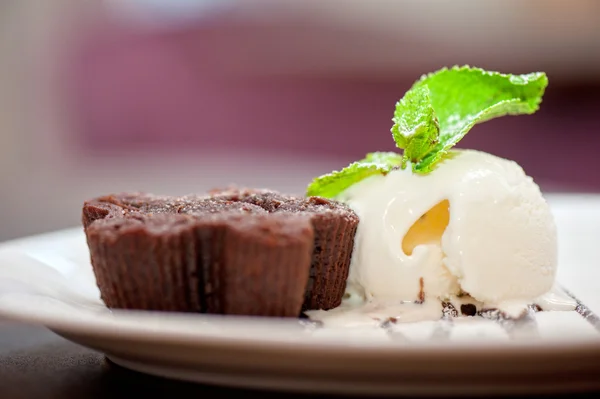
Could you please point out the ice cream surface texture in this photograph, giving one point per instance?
(477, 225)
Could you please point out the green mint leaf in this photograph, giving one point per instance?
(332, 184)
(434, 115)
(415, 129)
(443, 106)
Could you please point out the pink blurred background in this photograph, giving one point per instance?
(180, 96)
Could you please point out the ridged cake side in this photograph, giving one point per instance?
(197, 255)
(334, 226)
(237, 251)
(266, 265)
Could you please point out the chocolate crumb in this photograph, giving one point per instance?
(493, 314)
(536, 308)
(421, 290)
(388, 322)
(468, 309)
(448, 310)
(319, 201)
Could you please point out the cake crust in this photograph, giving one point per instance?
(235, 251)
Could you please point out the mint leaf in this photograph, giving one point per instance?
(415, 127)
(443, 106)
(434, 115)
(332, 184)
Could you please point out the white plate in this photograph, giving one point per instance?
(47, 280)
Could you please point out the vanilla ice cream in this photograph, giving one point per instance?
(475, 225)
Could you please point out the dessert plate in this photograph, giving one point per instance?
(47, 280)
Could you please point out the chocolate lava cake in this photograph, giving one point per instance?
(235, 251)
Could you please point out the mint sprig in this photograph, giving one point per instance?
(331, 184)
(435, 114)
(460, 97)
(416, 129)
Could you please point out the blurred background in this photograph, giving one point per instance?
(176, 97)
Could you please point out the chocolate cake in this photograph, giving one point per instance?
(235, 251)
(334, 225)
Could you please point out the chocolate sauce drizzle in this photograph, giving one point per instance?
(524, 326)
(584, 311)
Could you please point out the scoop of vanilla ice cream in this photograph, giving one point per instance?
(476, 224)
